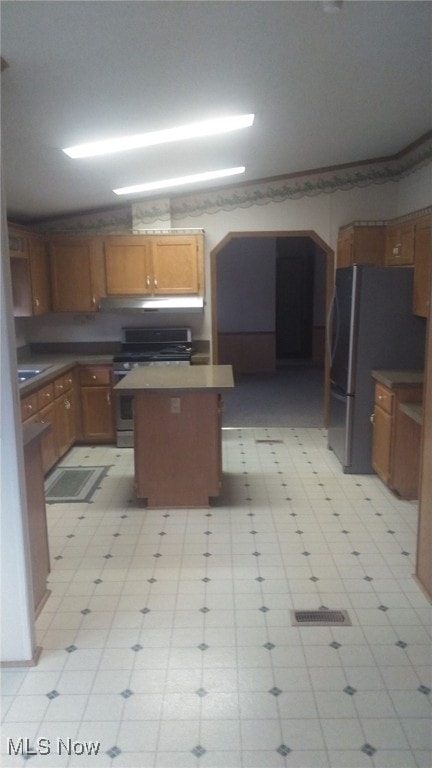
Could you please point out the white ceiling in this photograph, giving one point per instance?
(326, 89)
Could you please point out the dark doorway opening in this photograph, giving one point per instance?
(294, 298)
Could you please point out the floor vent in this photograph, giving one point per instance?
(322, 618)
(269, 441)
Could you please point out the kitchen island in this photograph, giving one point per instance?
(177, 420)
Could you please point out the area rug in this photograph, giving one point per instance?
(66, 485)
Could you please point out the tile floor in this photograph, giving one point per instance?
(168, 637)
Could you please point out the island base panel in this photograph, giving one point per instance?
(177, 448)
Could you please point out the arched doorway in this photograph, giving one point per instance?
(282, 237)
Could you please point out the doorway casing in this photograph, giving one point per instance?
(330, 267)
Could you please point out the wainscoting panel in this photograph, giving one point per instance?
(248, 352)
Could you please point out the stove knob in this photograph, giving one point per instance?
(126, 366)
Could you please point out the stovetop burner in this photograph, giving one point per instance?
(147, 345)
(143, 355)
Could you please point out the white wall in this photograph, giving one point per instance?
(415, 191)
(17, 626)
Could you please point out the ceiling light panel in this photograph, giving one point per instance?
(179, 181)
(191, 131)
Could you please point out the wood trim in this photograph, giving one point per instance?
(25, 662)
(248, 352)
(330, 269)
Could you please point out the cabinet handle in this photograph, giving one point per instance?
(93, 300)
(94, 377)
(29, 407)
(47, 394)
(108, 397)
(36, 302)
(155, 283)
(67, 404)
(148, 282)
(372, 418)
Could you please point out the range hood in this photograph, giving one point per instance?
(152, 304)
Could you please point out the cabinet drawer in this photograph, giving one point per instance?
(68, 381)
(59, 386)
(384, 398)
(45, 395)
(95, 376)
(29, 406)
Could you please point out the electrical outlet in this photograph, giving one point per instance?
(175, 405)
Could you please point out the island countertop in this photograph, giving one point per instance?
(175, 378)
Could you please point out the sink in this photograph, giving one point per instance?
(24, 374)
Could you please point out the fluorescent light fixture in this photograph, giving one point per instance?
(192, 131)
(179, 181)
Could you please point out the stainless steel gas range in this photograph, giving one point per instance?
(146, 346)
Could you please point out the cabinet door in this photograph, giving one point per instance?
(422, 266)
(361, 245)
(175, 265)
(128, 266)
(29, 274)
(400, 244)
(381, 444)
(345, 248)
(39, 273)
(64, 423)
(48, 443)
(97, 414)
(71, 276)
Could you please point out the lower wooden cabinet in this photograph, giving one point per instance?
(55, 404)
(36, 515)
(396, 444)
(83, 413)
(97, 412)
(48, 442)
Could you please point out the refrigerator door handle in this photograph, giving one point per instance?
(331, 316)
(333, 327)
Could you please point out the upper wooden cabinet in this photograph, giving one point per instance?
(77, 273)
(138, 265)
(361, 244)
(29, 273)
(177, 264)
(422, 265)
(128, 265)
(400, 244)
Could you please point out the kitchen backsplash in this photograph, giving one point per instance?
(95, 328)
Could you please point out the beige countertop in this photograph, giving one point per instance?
(413, 410)
(55, 365)
(173, 378)
(398, 378)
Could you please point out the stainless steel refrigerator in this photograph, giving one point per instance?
(372, 327)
